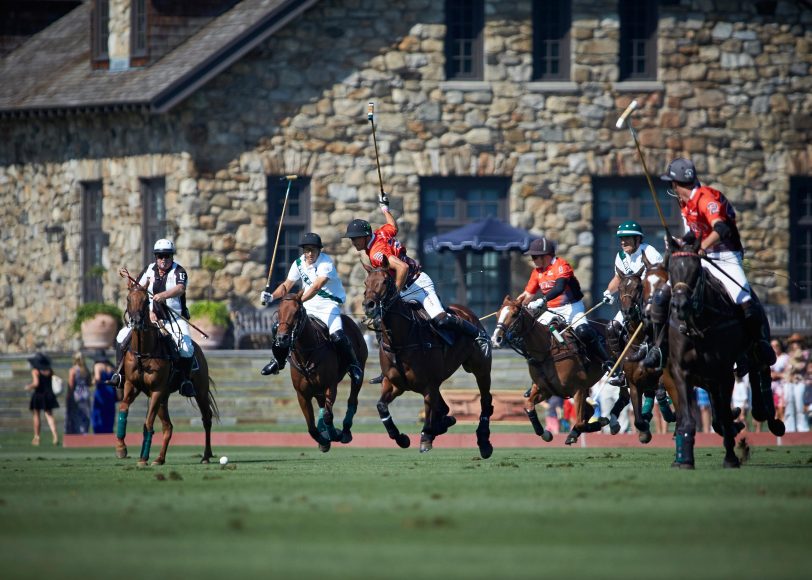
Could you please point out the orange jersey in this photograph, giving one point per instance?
(706, 206)
(383, 245)
(544, 280)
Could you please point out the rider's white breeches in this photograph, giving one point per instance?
(422, 290)
(180, 332)
(731, 263)
(572, 313)
(325, 310)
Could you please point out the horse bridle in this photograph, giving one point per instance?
(298, 322)
(636, 311)
(385, 301)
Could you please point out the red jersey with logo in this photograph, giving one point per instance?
(385, 244)
(543, 280)
(705, 207)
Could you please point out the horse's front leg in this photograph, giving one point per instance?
(352, 408)
(326, 416)
(685, 433)
(431, 425)
(388, 394)
(535, 397)
(130, 393)
(623, 400)
(166, 425)
(306, 404)
(149, 427)
(636, 395)
(721, 397)
(763, 404)
(483, 430)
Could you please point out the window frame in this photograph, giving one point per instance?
(454, 43)
(94, 239)
(800, 250)
(154, 224)
(100, 33)
(556, 32)
(139, 31)
(638, 39)
(293, 226)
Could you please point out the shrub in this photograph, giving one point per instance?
(216, 312)
(91, 309)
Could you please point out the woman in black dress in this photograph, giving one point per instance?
(43, 398)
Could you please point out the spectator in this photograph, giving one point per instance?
(77, 399)
(808, 393)
(795, 385)
(104, 399)
(741, 397)
(777, 372)
(43, 398)
(554, 413)
(703, 403)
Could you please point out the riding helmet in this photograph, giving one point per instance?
(541, 247)
(629, 228)
(311, 239)
(358, 228)
(163, 246)
(680, 170)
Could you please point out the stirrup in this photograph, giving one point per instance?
(355, 372)
(376, 380)
(115, 379)
(272, 368)
(187, 388)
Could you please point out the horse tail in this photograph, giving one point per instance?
(212, 402)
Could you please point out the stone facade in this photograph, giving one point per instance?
(733, 93)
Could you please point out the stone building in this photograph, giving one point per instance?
(125, 120)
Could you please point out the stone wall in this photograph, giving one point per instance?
(733, 93)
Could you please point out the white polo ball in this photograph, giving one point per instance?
(223, 460)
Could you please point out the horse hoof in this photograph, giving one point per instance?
(121, 453)
(614, 425)
(682, 465)
(547, 436)
(486, 450)
(158, 462)
(449, 421)
(142, 463)
(731, 463)
(346, 437)
(205, 460)
(776, 427)
(644, 437)
(324, 448)
(335, 436)
(425, 446)
(570, 440)
(403, 440)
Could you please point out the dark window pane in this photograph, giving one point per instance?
(94, 241)
(638, 39)
(296, 222)
(463, 43)
(153, 224)
(552, 20)
(800, 255)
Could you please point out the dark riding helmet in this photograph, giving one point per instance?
(358, 229)
(680, 170)
(540, 247)
(311, 239)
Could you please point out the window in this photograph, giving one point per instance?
(552, 20)
(153, 224)
(138, 29)
(478, 280)
(295, 222)
(800, 239)
(94, 241)
(638, 40)
(100, 31)
(464, 50)
(617, 199)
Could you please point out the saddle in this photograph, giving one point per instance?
(572, 347)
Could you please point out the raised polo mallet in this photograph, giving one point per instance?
(291, 179)
(371, 119)
(626, 118)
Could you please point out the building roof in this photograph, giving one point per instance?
(52, 72)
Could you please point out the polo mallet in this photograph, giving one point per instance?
(371, 119)
(125, 273)
(619, 124)
(291, 179)
(619, 360)
(582, 315)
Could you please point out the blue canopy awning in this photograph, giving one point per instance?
(488, 234)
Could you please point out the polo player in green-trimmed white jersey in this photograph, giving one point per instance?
(323, 296)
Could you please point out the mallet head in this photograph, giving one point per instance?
(290, 178)
(622, 119)
(370, 110)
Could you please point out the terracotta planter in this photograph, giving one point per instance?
(215, 332)
(99, 332)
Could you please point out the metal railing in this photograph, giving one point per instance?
(788, 318)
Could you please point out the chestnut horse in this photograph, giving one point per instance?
(148, 369)
(555, 368)
(635, 295)
(706, 338)
(415, 358)
(316, 368)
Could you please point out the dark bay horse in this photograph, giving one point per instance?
(415, 358)
(635, 295)
(316, 368)
(148, 369)
(707, 336)
(555, 368)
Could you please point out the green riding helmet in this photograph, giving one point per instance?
(629, 228)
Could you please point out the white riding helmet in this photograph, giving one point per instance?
(163, 246)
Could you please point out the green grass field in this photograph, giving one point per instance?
(359, 513)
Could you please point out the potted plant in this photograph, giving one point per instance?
(98, 324)
(212, 318)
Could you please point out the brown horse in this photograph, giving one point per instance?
(148, 369)
(555, 368)
(707, 336)
(414, 357)
(316, 368)
(635, 295)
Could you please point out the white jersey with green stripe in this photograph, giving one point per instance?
(332, 292)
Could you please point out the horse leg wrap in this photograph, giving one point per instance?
(386, 419)
(648, 406)
(664, 401)
(121, 424)
(348, 416)
(146, 444)
(534, 421)
(685, 449)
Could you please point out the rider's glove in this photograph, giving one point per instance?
(536, 307)
(267, 296)
(383, 198)
(608, 297)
